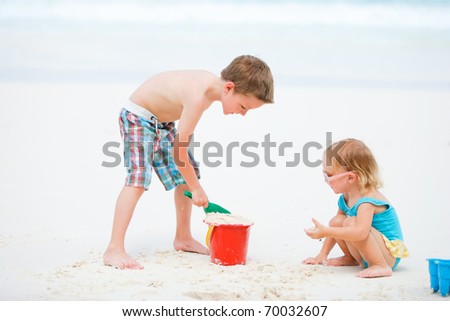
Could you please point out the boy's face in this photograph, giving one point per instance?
(234, 103)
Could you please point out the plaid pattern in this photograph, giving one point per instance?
(146, 146)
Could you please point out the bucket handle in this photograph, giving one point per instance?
(208, 235)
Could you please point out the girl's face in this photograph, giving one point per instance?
(340, 180)
(234, 103)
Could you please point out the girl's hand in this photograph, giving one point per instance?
(319, 259)
(316, 232)
(199, 198)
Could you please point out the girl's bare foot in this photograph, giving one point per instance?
(342, 261)
(190, 245)
(375, 272)
(120, 260)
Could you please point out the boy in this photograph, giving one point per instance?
(150, 140)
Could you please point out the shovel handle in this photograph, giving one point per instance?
(188, 194)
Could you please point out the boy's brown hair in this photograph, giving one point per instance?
(354, 155)
(251, 76)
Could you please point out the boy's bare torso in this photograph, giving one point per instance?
(167, 94)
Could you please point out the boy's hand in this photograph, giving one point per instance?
(199, 198)
(316, 232)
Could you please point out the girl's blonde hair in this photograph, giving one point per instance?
(354, 155)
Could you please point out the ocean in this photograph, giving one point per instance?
(393, 44)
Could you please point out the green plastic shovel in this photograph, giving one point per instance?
(211, 208)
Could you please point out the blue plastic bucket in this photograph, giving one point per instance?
(444, 276)
(439, 270)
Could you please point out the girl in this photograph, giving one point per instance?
(366, 226)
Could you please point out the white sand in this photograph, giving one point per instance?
(57, 204)
(217, 219)
(170, 275)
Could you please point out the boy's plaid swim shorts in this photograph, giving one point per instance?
(146, 146)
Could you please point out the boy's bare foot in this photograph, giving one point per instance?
(375, 272)
(342, 261)
(190, 246)
(120, 260)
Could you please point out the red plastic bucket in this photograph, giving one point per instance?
(229, 243)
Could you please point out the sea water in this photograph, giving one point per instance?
(393, 44)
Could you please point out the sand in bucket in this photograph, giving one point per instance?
(228, 240)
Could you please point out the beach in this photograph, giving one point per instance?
(64, 81)
(56, 225)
